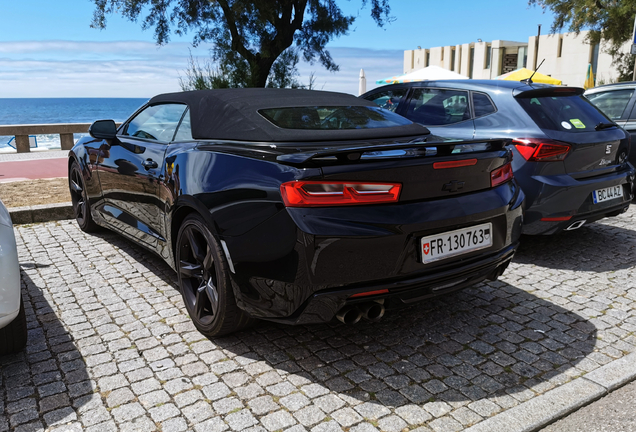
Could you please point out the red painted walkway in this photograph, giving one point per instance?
(33, 169)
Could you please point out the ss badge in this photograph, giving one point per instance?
(608, 149)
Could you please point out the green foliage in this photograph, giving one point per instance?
(284, 74)
(624, 63)
(609, 20)
(247, 37)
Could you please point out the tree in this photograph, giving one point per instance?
(284, 74)
(609, 20)
(248, 37)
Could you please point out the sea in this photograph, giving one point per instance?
(61, 110)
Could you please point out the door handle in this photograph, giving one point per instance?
(149, 164)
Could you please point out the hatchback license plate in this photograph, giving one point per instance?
(453, 243)
(607, 194)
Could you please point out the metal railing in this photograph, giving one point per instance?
(64, 130)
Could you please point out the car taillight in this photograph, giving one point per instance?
(541, 150)
(324, 193)
(501, 175)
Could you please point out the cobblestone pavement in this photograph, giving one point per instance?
(111, 347)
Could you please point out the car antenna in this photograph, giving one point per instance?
(529, 80)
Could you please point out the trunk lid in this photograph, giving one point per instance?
(426, 170)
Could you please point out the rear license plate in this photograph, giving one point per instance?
(453, 243)
(607, 194)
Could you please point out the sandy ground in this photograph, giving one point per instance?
(34, 192)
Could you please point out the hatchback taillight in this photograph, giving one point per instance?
(501, 175)
(319, 194)
(541, 150)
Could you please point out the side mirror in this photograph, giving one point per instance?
(103, 129)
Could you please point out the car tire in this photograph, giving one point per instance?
(13, 337)
(79, 197)
(204, 280)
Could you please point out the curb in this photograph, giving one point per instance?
(557, 403)
(41, 213)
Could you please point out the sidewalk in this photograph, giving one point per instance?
(31, 166)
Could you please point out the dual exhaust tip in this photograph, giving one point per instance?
(372, 311)
(576, 225)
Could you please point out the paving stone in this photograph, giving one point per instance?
(128, 412)
(314, 390)
(413, 414)
(346, 417)
(241, 420)
(310, 415)
(294, 402)
(466, 417)
(392, 423)
(119, 397)
(164, 412)
(329, 403)
(174, 425)
(216, 391)
(364, 427)
(277, 420)
(330, 426)
(446, 425)
(227, 405)
(214, 424)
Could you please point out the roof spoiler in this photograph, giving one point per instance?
(547, 92)
(353, 154)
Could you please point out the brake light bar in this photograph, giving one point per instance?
(556, 219)
(501, 175)
(454, 164)
(541, 150)
(370, 293)
(333, 193)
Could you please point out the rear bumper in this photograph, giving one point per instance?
(323, 306)
(561, 196)
(327, 254)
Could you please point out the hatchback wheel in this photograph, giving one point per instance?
(204, 280)
(79, 197)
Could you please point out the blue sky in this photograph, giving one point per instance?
(47, 48)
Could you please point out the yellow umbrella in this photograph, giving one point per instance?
(523, 73)
(589, 78)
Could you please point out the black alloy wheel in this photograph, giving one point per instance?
(79, 197)
(204, 280)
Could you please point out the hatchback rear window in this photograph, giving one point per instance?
(563, 113)
(342, 117)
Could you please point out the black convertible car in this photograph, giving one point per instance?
(297, 206)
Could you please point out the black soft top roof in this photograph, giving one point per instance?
(232, 114)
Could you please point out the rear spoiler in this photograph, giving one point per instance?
(355, 153)
(547, 92)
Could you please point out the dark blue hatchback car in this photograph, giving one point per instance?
(569, 158)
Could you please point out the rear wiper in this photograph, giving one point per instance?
(602, 126)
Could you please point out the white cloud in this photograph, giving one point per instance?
(141, 69)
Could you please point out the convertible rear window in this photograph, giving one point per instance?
(563, 113)
(330, 118)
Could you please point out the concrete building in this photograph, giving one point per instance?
(566, 55)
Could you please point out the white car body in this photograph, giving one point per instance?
(9, 270)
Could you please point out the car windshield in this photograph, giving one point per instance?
(563, 113)
(341, 117)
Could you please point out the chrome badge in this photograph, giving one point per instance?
(608, 149)
(605, 162)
